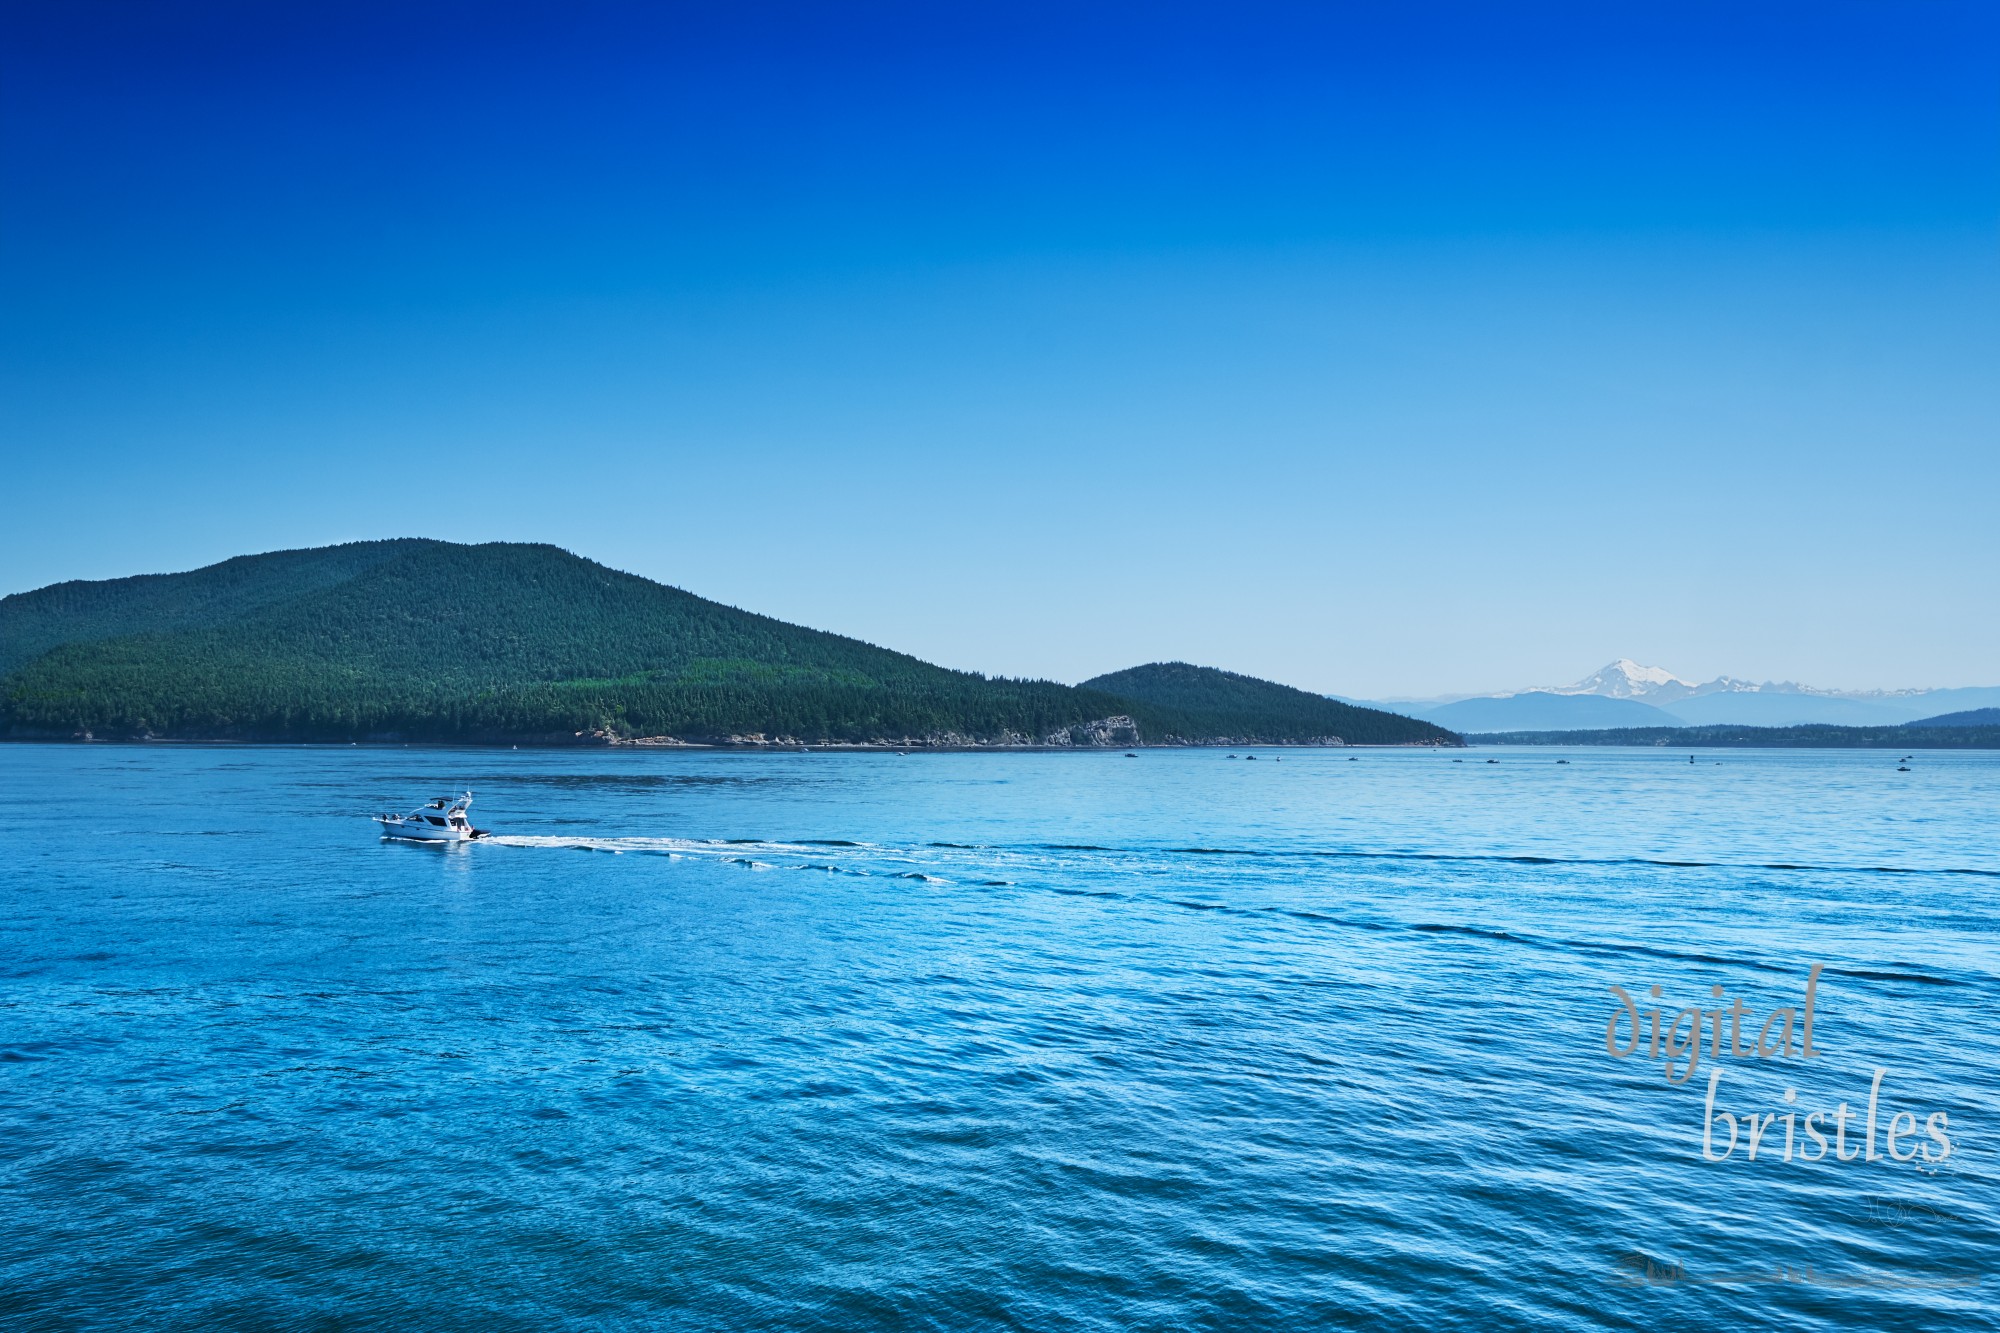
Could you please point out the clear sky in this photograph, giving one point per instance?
(1384, 349)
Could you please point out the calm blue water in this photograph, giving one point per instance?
(720, 1041)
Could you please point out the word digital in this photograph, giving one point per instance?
(1785, 1033)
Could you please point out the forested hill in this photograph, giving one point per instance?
(1203, 700)
(429, 640)
(31, 623)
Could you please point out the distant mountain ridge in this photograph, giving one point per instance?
(1648, 696)
(419, 639)
(1536, 710)
(1909, 736)
(1972, 717)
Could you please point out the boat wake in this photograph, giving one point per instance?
(849, 857)
(826, 855)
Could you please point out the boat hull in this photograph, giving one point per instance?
(402, 828)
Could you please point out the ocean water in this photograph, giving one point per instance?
(967, 1042)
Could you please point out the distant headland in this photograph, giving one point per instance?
(506, 643)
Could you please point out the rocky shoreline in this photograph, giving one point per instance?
(1103, 733)
(1109, 733)
(1117, 732)
(941, 744)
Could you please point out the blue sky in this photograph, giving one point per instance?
(1381, 350)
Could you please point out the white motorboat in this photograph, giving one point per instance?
(443, 820)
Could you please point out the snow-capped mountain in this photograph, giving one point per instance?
(1626, 679)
